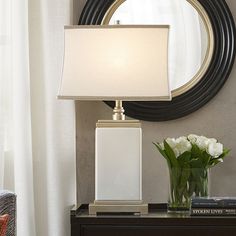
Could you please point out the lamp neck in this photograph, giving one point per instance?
(118, 112)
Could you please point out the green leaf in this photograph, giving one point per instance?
(205, 159)
(192, 186)
(224, 154)
(158, 146)
(215, 161)
(184, 158)
(196, 174)
(175, 174)
(196, 164)
(185, 174)
(196, 151)
(170, 153)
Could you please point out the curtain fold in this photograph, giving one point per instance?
(37, 132)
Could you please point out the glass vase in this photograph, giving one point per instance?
(186, 183)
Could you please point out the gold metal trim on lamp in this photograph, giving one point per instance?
(118, 206)
(118, 124)
(210, 49)
(118, 111)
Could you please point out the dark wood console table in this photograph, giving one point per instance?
(156, 223)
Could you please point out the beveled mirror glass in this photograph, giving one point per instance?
(191, 39)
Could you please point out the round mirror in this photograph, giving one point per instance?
(202, 48)
(191, 37)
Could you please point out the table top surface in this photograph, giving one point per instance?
(156, 211)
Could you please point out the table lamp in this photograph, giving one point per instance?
(119, 63)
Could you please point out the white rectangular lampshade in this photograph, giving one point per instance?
(127, 63)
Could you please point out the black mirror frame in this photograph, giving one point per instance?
(217, 74)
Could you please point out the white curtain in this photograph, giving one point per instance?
(37, 131)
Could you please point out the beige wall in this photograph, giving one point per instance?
(216, 119)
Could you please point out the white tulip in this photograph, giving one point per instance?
(171, 142)
(182, 138)
(202, 142)
(183, 145)
(177, 152)
(215, 149)
(211, 140)
(193, 138)
(179, 145)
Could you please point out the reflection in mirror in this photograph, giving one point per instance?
(188, 42)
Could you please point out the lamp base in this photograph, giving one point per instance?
(118, 161)
(136, 207)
